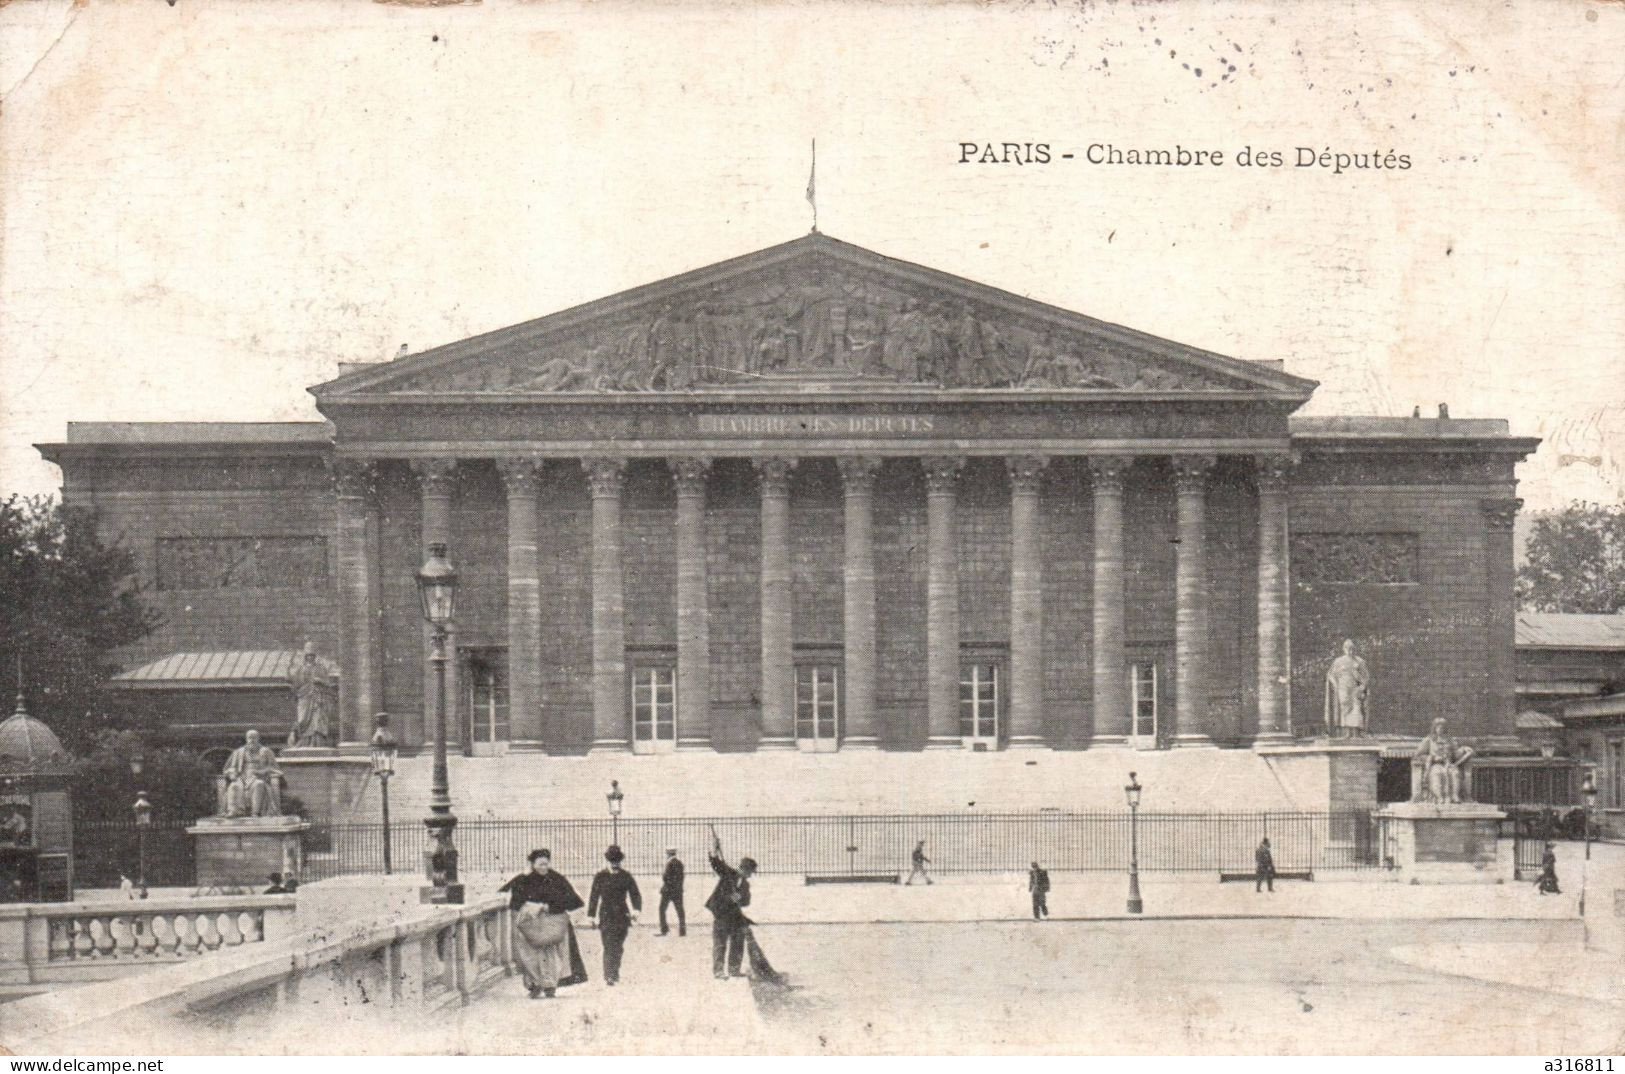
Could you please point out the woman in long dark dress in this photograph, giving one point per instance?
(1547, 883)
(544, 943)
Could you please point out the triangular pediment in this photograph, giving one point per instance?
(812, 312)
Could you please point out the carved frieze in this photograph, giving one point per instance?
(1355, 558)
(812, 319)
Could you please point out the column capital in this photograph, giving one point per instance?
(1106, 471)
(858, 472)
(1026, 472)
(520, 476)
(942, 472)
(1190, 471)
(1273, 469)
(604, 474)
(688, 471)
(1500, 514)
(774, 472)
(353, 477)
(435, 475)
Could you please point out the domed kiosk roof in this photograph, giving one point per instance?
(27, 746)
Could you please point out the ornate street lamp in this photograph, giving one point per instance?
(383, 766)
(1132, 793)
(143, 821)
(437, 590)
(1588, 791)
(615, 799)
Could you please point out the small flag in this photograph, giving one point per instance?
(812, 184)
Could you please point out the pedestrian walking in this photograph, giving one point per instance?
(544, 944)
(1038, 885)
(728, 921)
(919, 861)
(1266, 867)
(1547, 883)
(611, 889)
(671, 892)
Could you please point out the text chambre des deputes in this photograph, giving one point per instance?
(1334, 160)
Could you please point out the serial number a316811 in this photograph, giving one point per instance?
(1580, 1066)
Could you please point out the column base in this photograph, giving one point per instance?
(527, 745)
(943, 742)
(765, 744)
(1193, 741)
(609, 745)
(1273, 738)
(695, 745)
(860, 742)
(1027, 742)
(1098, 741)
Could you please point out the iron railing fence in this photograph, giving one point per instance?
(984, 843)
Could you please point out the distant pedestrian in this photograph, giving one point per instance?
(611, 889)
(671, 892)
(1038, 885)
(1266, 866)
(276, 887)
(126, 886)
(920, 861)
(1547, 884)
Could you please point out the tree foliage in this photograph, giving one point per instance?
(68, 600)
(1574, 560)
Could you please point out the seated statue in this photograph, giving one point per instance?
(251, 781)
(1439, 769)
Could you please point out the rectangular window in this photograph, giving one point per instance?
(818, 707)
(487, 698)
(654, 709)
(1616, 772)
(979, 703)
(1142, 700)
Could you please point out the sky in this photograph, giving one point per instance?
(205, 208)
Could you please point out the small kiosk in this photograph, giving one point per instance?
(36, 813)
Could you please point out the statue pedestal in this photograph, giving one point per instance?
(240, 852)
(326, 781)
(1447, 844)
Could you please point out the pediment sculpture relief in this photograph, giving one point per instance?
(809, 322)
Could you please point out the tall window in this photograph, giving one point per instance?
(487, 698)
(818, 707)
(1142, 701)
(979, 702)
(1616, 770)
(654, 709)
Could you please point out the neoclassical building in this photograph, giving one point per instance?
(817, 498)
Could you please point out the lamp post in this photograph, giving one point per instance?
(1588, 791)
(437, 590)
(615, 799)
(1132, 793)
(383, 766)
(143, 821)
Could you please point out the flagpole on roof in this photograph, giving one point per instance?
(812, 185)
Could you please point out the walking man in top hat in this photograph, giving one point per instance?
(671, 892)
(611, 889)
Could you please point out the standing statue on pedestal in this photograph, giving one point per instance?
(1348, 682)
(314, 696)
(251, 781)
(1439, 771)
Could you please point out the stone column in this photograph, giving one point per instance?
(1500, 578)
(778, 655)
(1192, 724)
(522, 477)
(942, 601)
(1026, 602)
(359, 688)
(693, 611)
(862, 722)
(1274, 603)
(610, 719)
(436, 480)
(1111, 723)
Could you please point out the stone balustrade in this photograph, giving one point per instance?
(424, 959)
(51, 943)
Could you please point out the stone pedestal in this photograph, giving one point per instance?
(1447, 844)
(240, 852)
(325, 780)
